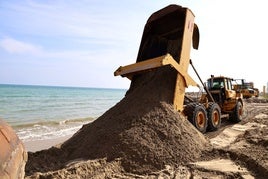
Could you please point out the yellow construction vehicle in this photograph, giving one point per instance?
(246, 88)
(221, 91)
(167, 39)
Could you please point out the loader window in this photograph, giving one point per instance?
(229, 85)
(218, 84)
(215, 83)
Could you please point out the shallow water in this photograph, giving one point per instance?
(46, 112)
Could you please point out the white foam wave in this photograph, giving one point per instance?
(43, 132)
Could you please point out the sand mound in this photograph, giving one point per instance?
(143, 130)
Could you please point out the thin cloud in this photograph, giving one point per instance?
(18, 47)
(72, 19)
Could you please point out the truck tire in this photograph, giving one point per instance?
(13, 155)
(238, 112)
(197, 115)
(214, 116)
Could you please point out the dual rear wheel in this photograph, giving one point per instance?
(203, 119)
(214, 116)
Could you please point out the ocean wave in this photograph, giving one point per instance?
(50, 129)
(44, 133)
(52, 122)
(87, 119)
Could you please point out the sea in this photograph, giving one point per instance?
(50, 112)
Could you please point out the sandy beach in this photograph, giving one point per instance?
(37, 145)
(236, 150)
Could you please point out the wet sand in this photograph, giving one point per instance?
(37, 145)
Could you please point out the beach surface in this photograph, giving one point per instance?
(37, 145)
(236, 151)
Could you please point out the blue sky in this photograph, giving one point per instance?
(81, 43)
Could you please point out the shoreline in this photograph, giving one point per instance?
(38, 145)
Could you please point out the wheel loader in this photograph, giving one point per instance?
(167, 39)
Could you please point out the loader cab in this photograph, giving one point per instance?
(221, 88)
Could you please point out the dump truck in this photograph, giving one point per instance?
(167, 39)
(246, 88)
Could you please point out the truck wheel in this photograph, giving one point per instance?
(197, 115)
(238, 112)
(13, 155)
(214, 116)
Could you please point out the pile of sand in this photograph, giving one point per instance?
(143, 130)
